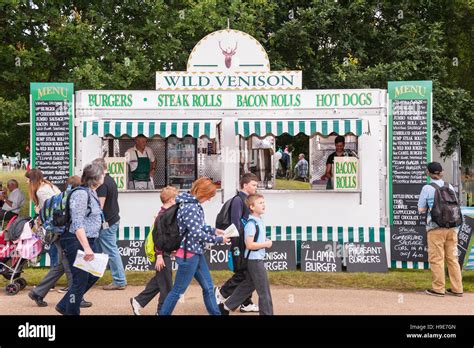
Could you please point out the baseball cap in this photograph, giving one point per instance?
(434, 168)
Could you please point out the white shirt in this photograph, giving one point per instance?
(18, 200)
(131, 156)
(45, 192)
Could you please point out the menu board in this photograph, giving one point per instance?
(133, 255)
(321, 256)
(464, 238)
(51, 131)
(409, 146)
(366, 257)
(217, 257)
(281, 256)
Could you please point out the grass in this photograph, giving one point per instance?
(19, 175)
(395, 280)
(283, 184)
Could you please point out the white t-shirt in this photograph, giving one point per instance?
(45, 192)
(131, 156)
(18, 200)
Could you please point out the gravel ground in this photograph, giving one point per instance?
(286, 300)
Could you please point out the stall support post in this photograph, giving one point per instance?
(229, 158)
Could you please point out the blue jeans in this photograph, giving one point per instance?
(194, 267)
(53, 255)
(107, 242)
(82, 281)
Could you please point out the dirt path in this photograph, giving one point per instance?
(285, 300)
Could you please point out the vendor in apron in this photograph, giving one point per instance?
(142, 165)
(340, 143)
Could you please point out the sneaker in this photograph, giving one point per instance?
(136, 306)
(252, 307)
(114, 287)
(59, 310)
(63, 290)
(433, 293)
(85, 304)
(38, 299)
(217, 293)
(452, 293)
(223, 310)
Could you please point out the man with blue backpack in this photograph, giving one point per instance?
(236, 212)
(443, 218)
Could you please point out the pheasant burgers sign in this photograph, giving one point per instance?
(228, 60)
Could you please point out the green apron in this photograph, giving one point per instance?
(142, 173)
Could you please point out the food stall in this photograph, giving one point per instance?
(229, 114)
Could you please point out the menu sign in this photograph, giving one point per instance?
(464, 238)
(409, 144)
(51, 129)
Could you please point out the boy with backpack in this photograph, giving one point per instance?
(162, 281)
(236, 212)
(443, 218)
(256, 277)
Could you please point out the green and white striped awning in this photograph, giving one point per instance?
(294, 127)
(194, 128)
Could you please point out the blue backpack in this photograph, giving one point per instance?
(242, 246)
(55, 216)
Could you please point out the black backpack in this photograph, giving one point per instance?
(446, 211)
(223, 219)
(168, 239)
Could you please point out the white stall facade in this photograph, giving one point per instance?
(231, 107)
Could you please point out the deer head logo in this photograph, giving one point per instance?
(228, 54)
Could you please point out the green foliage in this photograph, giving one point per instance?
(337, 44)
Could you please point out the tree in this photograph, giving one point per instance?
(337, 44)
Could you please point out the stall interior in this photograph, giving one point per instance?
(276, 159)
(179, 160)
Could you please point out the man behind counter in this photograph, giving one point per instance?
(340, 143)
(142, 164)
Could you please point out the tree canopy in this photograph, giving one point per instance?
(337, 44)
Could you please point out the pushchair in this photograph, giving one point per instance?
(18, 245)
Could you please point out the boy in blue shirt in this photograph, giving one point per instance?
(256, 276)
(442, 242)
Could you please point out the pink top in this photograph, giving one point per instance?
(180, 254)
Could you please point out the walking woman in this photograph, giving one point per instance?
(56, 271)
(190, 257)
(86, 222)
(41, 190)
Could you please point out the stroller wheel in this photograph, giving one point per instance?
(12, 289)
(21, 282)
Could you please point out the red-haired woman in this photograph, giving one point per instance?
(190, 257)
